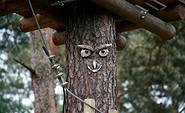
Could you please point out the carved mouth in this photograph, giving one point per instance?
(94, 66)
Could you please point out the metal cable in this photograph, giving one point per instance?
(46, 50)
(82, 100)
(38, 25)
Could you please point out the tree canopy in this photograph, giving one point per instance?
(151, 73)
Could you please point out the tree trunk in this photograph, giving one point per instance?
(43, 80)
(90, 76)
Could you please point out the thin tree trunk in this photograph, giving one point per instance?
(43, 80)
(89, 25)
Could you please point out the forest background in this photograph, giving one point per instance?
(150, 72)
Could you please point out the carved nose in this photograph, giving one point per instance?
(94, 66)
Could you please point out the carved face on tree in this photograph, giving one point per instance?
(93, 55)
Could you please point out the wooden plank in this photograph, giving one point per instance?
(87, 109)
(128, 11)
(142, 2)
(29, 24)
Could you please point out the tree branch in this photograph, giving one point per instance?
(24, 65)
(182, 110)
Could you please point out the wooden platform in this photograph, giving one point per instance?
(51, 14)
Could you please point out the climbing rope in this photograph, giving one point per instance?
(56, 66)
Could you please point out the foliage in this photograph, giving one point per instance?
(13, 44)
(151, 73)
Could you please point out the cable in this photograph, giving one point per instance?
(38, 25)
(82, 100)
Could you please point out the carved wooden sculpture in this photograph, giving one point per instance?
(91, 54)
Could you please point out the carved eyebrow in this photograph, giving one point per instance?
(103, 46)
(85, 47)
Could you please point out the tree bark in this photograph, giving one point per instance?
(87, 24)
(43, 80)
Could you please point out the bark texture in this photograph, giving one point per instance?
(89, 25)
(43, 80)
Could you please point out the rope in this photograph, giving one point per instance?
(55, 66)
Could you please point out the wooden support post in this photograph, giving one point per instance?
(87, 109)
(123, 8)
(29, 24)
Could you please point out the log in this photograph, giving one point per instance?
(43, 7)
(59, 38)
(125, 26)
(128, 11)
(168, 15)
(173, 14)
(29, 24)
(8, 8)
(120, 42)
(25, 13)
(87, 109)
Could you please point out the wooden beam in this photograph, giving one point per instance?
(182, 1)
(125, 26)
(8, 8)
(2, 4)
(120, 42)
(25, 13)
(168, 15)
(142, 2)
(59, 38)
(43, 7)
(128, 11)
(172, 14)
(29, 24)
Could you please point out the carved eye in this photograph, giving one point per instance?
(85, 53)
(103, 52)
